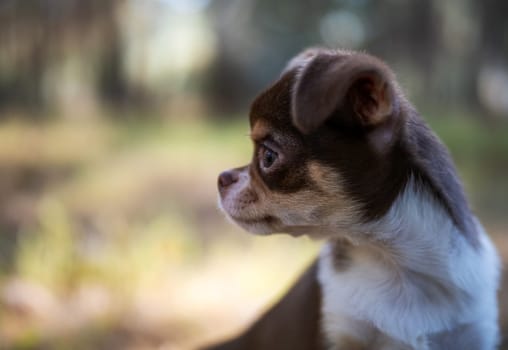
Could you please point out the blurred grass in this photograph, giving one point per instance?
(110, 236)
(124, 237)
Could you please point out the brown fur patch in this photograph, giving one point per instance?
(259, 130)
(325, 178)
(341, 257)
(349, 343)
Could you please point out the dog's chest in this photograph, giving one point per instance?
(353, 283)
(366, 299)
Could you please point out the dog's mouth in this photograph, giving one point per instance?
(263, 225)
(266, 219)
(269, 224)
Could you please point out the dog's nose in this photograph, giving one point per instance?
(227, 178)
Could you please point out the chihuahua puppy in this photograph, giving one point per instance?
(341, 155)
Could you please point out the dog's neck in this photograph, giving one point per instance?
(400, 272)
(417, 232)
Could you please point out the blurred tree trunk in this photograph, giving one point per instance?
(112, 83)
(423, 39)
(37, 34)
(493, 29)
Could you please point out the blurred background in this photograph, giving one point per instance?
(117, 115)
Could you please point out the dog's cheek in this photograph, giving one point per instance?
(247, 199)
(290, 209)
(327, 181)
(310, 205)
(313, 208)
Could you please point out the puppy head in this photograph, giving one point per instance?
(324, 137)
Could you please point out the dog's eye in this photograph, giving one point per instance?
(268, 157)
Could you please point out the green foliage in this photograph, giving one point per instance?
(49, 255)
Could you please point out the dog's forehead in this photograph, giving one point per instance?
(272, 108)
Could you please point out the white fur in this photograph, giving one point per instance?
(413, 275)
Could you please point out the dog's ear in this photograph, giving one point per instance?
(358, 84)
